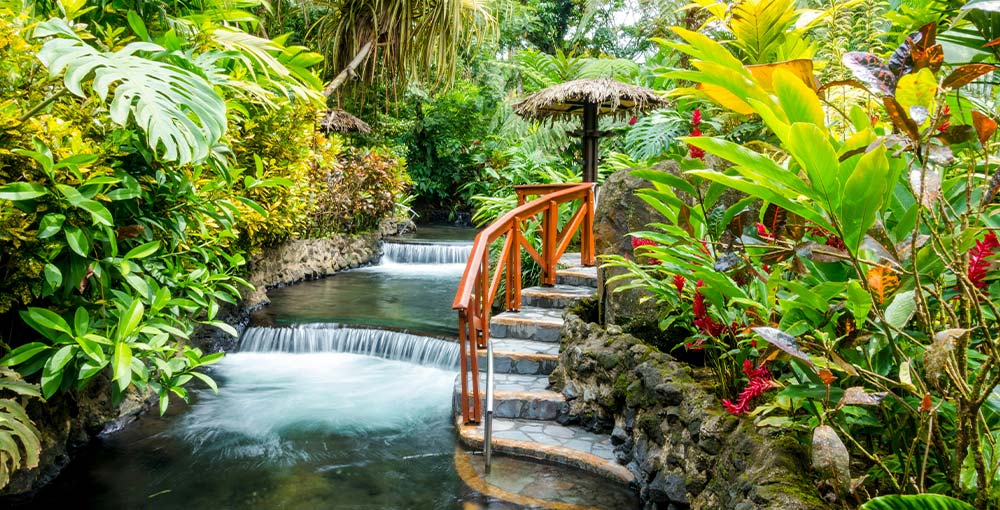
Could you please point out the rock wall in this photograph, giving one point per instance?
(670, 431)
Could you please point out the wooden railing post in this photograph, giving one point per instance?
(587, 257)
(550, 237)
(514, 268)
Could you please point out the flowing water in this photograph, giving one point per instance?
(317, 414)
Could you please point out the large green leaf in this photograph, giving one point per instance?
(180, 112)
(864, 193)
(916, 502)
(22, 191)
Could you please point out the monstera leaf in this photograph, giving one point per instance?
(181, 114)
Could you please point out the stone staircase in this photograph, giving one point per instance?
(525, 352)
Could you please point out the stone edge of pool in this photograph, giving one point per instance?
(471, 436)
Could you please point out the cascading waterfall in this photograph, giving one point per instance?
(425, 253)
(315, 338)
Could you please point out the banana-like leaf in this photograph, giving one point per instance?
(182, 115)
(19, 439)
(916, 502)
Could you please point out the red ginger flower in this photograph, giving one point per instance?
(695, 152)
(702, 320)
(946, 115)
(978, 255)
(679, 282)
(637, 242)
(760, 381)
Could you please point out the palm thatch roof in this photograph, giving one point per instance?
(567, 99)
(340, 121)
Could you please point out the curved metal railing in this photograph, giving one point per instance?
(479, 285)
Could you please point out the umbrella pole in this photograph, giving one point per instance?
(590, 138)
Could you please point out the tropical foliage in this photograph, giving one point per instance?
(837, 271)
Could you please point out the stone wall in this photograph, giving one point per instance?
(670, 431)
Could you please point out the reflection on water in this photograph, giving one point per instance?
(415, 297)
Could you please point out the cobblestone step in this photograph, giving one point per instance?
(518, 396)
(557, 296)
(550, 442)
(578, 276)
(524, 357)
(530, 323)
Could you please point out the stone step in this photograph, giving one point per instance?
(531, 323)
(518, 396)
(524, 357)
(579, 276)
(549, 442)
(557, 296)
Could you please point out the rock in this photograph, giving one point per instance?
(570, 391)
(619, 211)
(618, 436)
(669, 488)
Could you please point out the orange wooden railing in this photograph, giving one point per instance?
(480, 283)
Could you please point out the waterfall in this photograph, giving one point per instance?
(394, 345)
(425, 253)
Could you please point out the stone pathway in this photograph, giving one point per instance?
(526, 349)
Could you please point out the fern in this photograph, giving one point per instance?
(19, 441)
(180, 112)
(655, 134)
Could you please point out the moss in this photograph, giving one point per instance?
(587, 310)
(620, 388)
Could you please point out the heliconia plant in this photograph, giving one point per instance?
(869, 271)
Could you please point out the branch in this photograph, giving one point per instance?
(349, 70)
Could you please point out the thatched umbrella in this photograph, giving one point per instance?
(340, 121)
(591, 97)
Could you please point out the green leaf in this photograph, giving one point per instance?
(50, 225)
(859, 302)
(22, 191)
(207, 380)
(864, 193)
(809, 146)
(800, 102)
(901, 309)
(77, 241)
(129, 321)
(60, 358)
(51, 382)
(916, 502)
(53, 276)
(23, 353)
(138, 26)
(144, 250)
(98, 213)
(231, 331)
(48, 319)
(81, 321)
(181, 113)
(121, 362)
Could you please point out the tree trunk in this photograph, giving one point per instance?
(349, 70)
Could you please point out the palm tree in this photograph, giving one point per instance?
(394, 41)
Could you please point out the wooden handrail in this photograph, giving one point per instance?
(479, 284)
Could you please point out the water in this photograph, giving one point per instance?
(396, 252)
(321, 415)
(413, 297)
(308, 338)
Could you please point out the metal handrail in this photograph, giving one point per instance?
(488, 425)
(479, 285)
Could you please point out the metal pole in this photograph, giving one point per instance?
(488, 427)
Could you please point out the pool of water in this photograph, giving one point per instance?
(414, 297)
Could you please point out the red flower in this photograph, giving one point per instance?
(702, 320)
(633, 120)
(695, 152)
(760, 381)
(978, 255)
(679, 282)
(637, 242)
(946, 115)
(763, 233)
